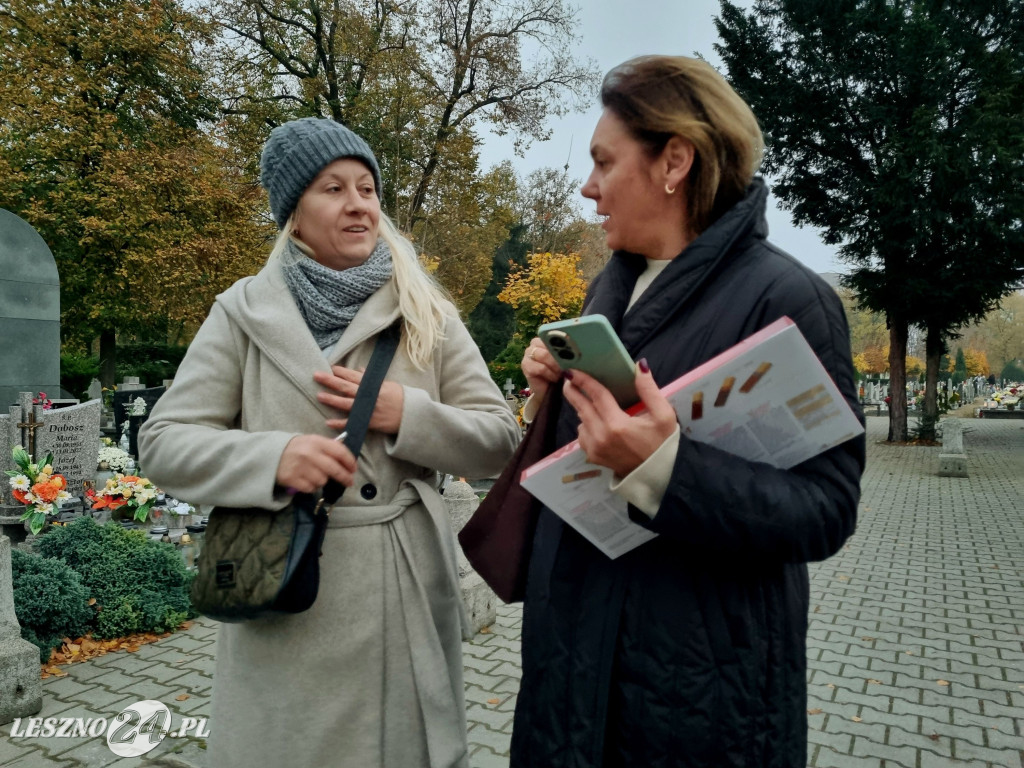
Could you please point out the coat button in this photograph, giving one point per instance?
(368, 491)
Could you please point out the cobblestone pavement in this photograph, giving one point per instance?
(916, 644)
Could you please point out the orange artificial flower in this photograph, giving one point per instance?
(21, 496)
(46, 491)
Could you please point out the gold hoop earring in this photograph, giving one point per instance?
(669, 191)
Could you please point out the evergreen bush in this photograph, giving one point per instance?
(139, 585)
(76, 372)
(50, 601)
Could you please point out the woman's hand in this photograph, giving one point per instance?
(309, 461)
(343, 384)
(540, 368)
(608, 436)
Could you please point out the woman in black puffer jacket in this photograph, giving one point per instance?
(690, 649)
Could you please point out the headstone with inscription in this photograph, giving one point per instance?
(29, 312)
(70, 434)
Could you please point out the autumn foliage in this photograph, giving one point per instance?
(550, 288)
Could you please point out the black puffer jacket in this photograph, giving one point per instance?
(690, 650)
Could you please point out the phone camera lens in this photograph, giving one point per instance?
(556, 341)
(566, 354)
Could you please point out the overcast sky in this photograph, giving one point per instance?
(610, 32)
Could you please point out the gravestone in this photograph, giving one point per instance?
(21, 689)
(70, 434)
(478, 598)
(952, 460)
(29, 312)
(123, 401)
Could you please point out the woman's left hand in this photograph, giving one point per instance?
(343, 383)
(608, 435)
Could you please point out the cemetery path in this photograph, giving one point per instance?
(915, 649)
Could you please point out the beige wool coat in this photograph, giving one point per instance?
(371, 675)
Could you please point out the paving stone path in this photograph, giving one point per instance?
(916, 643)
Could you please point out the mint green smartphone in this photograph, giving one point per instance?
(590, 344)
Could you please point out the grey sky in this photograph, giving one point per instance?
(612, 31)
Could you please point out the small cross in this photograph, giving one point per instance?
(31, 425)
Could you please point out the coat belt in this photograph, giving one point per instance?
(372, 514)
(440, 705)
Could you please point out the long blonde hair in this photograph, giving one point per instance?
(658, 97)
(422, 302)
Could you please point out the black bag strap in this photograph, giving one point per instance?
(366, 398)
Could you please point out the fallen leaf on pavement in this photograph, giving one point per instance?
(942, 682)
(494, 701)
(814, 711)
(182, 697)
(855, 719)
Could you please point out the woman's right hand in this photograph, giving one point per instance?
(309, 461)
(540, 368)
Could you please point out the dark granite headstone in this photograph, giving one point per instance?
(123, 401)
(29, 312)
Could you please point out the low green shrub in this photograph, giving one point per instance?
(50, 601)
(139, 585)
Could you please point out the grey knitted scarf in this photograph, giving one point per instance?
(329, 298)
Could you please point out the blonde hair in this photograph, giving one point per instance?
(422, 302)
(658, 97)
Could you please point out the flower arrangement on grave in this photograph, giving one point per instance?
(1007, 398)
(138, 407)
(43, 400)
(136, 493)
(38, 487)
(112, 458)
(176, 507)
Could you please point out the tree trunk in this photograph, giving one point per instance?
(108, 358)
(934, 349)
(897, 380)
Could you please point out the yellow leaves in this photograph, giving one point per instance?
(942, 682)
(85, 648)
(550, 288)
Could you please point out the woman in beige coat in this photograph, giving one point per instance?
(371, 675)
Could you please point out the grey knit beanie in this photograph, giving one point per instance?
(298, 150)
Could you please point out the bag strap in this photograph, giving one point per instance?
(366, 398)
